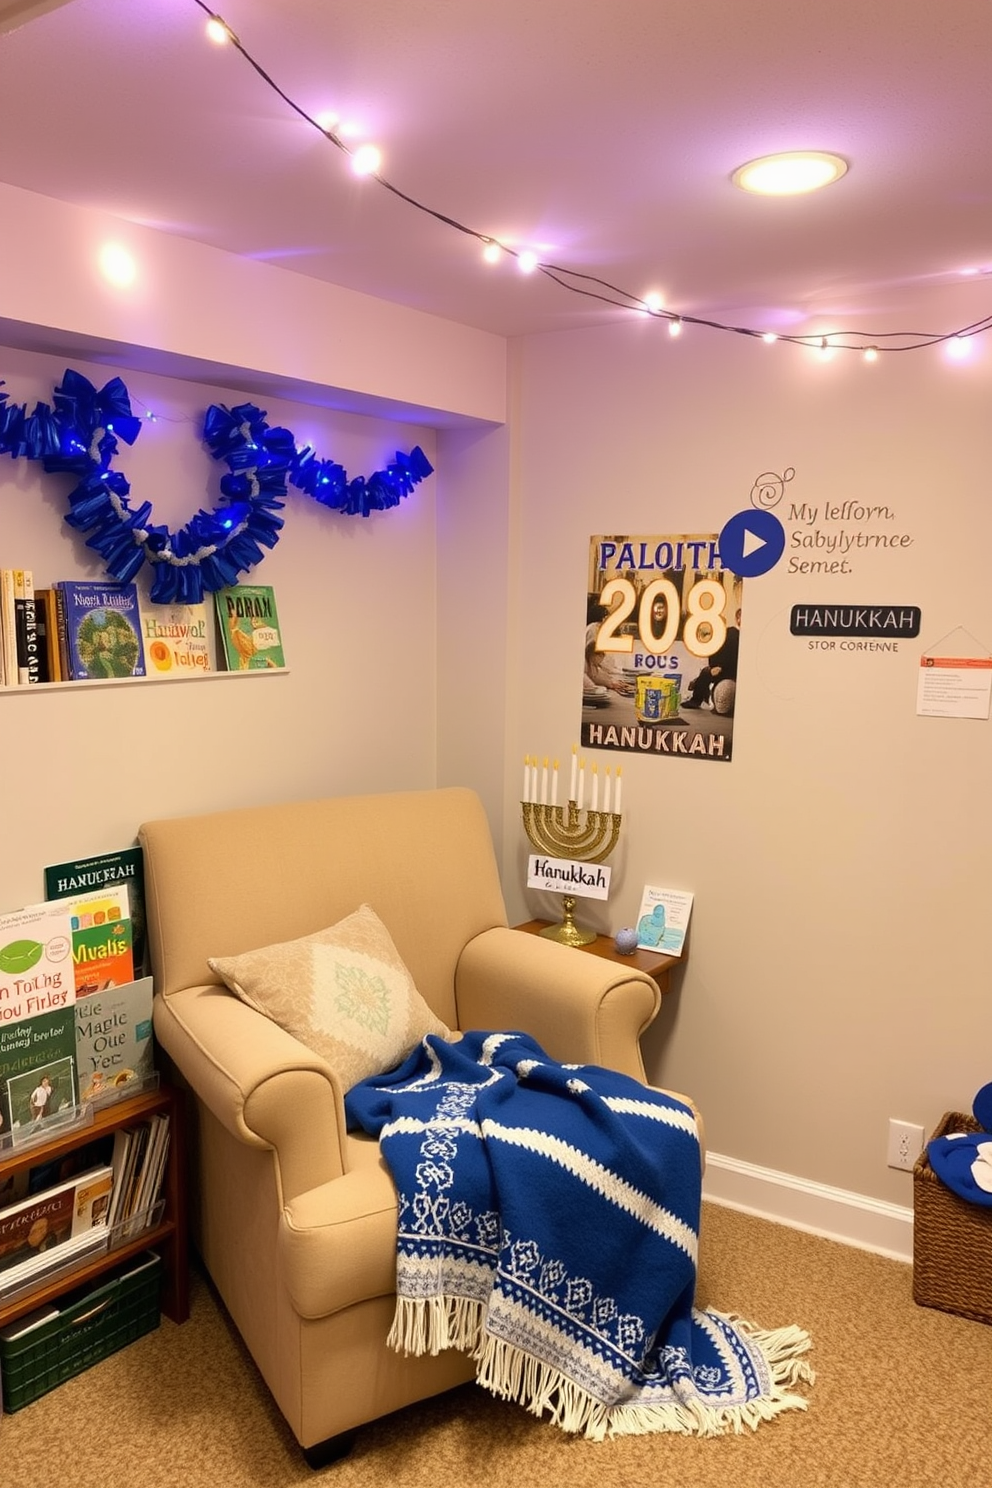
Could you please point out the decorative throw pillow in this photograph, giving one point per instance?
(344, 992)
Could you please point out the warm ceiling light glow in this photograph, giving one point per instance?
(218, 31)
(328, 122)
(675, 327)
(527, 262)
(958, 347)
(769, 336)
(366, 160)
(653, 301)
(789, 174)
(871, 353)
(492, 252)
(117, 265)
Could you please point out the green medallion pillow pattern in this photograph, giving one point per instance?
(344, 992)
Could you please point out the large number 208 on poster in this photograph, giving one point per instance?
(663, 626)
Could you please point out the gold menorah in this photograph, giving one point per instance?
(567, 832)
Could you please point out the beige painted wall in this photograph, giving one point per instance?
(837, 972)
(195, 311)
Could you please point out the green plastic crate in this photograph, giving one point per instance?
(90, 1326)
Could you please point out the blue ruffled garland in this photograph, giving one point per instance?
(79, 436)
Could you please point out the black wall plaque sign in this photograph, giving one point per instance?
(890, 622)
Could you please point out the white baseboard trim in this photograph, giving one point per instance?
(834, 1213)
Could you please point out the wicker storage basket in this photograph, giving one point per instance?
(952, 1239)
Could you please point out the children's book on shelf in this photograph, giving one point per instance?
(48, 635)
(28, 657)
(38, 1076)
(8, 626)
(81, 875)
(61, 638)
(176, 638)
(102, 954)
(663, 920)
(41, 1233)
(250, 637)
(102, 629)
(114, 1045)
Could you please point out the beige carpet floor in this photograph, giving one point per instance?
(902, 1399)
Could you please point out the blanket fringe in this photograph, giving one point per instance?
(782, 1348)
(512, 1375)
(429, 1324)
(544, 1391)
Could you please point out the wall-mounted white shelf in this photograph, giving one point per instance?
(39, 687)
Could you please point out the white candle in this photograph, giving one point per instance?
(571, 792)
(544, 782)
(582, 784)
(526, 796)
(595, 788)
(606, 790)
(533, 777)
(616, 803)
(554, 785)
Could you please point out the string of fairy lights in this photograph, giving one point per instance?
(366, 160)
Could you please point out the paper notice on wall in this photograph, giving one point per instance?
(663, 920)
(955, 679)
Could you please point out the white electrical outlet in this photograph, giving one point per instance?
(905, 1144)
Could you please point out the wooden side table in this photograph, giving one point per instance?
(654, 963)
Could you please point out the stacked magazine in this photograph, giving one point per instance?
(138, 1165)
(44, 1232)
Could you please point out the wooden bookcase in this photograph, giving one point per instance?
(168, 1237)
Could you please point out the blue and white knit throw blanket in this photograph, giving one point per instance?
(548, 1226)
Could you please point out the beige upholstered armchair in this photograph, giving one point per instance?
(294, 1218)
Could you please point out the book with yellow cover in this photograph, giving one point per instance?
(175, 638)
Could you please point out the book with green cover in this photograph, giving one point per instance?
(38, 1079)
(248, 626)
(83, 874)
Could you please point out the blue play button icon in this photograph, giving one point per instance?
(751, 543)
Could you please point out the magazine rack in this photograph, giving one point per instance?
(163, 1227)
(13, 1144)
(77, 1118)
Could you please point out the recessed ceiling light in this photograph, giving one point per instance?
(790, 173)
(117, 264)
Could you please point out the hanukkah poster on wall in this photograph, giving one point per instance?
(663, 620)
